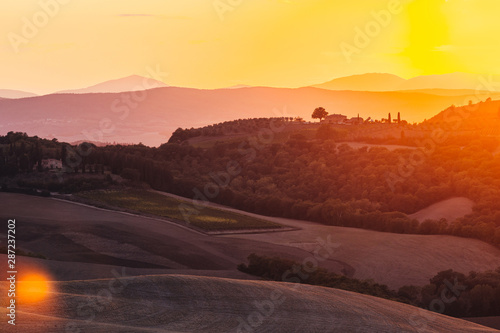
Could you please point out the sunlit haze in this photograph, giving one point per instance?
(211, 44)
(178, 166)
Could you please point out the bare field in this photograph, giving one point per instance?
(176, 303)
(449, 209)
(64, 231)
(69, 232)
(392, 259)
(91, 249)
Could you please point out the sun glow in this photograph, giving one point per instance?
(429, 37)
(262, 42)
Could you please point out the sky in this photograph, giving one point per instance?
(50, 45)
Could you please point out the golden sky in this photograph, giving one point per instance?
(218, 43)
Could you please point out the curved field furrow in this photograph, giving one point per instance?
(176, 303)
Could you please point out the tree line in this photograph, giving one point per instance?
(448, 292)
(311, 178)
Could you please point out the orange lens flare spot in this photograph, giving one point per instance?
(33, 287)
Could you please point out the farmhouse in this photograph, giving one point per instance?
(51, 164)
(335, 119)
(355, 121)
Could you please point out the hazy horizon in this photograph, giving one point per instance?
(210, 46)
(482, 84)
(250, 166)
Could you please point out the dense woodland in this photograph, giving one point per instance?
(452, 293)
(309, 177)
(284, 270)
(239, 126)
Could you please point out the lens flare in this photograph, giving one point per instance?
(33, 287)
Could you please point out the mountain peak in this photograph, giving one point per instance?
(390, 82)
(364, 82)
(128, 83)
(13, 94)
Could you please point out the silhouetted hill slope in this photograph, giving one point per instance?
(151, 116)
(8, 93)
(390, 82)
(483, 117)
(129, 83)
(364, 82)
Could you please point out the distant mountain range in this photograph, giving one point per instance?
(129, 83)
(390, 82)
(364, 82)
(104, 113)
(453, 84)
(117, 117)
(8, 93)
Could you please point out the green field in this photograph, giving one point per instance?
(206, 218)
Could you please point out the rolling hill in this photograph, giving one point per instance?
(481, 118)
(444, 81)
(364, 82)
(482, 94)
(151, 116)
(103, 237)
(129, 83)
(8, 93)
(173, 303)
(427, 83)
